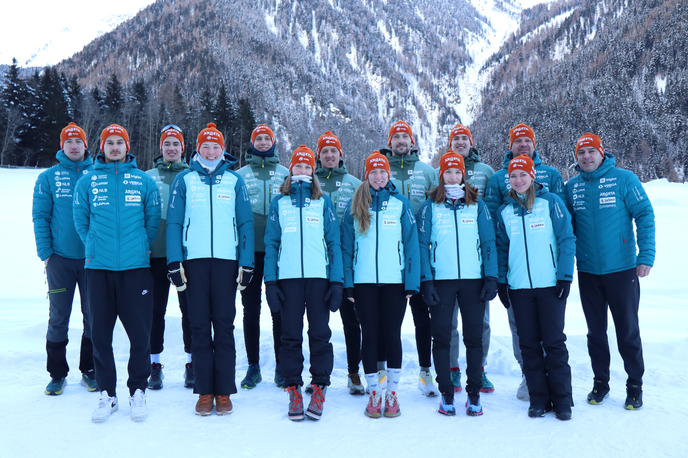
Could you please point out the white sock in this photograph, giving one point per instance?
(155, 358)
(373, 383)
(188, 358)
(393, 376)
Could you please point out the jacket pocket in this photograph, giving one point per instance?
(186, 233)
(356, 254)
(551, 252)
(399, 253)
(327, 260)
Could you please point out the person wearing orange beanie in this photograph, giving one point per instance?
(337, 183)
(612, 214)
(303, 274)
(381, 267)
(63, 254)
(522, 141)
(413, 178)
(263, 175)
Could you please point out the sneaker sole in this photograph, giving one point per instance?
(372, 415)
(225, 412)
(248, 387)
(89, 388)
(630, 407)
(392, 415)
(313, 415)
(457, 389)
(54, 393)
(487, 390)
(448, 413)
(357, 391)
(101, 420)
(139, 418)
(202, 414)
(296, 417)
(595, 403)
(471, 413)
(155, 387)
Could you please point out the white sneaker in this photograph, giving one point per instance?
(106, 406)
(137, 402)
(426, 385)
(522, 392)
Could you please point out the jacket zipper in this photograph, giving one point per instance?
(212, 244)
(301, 226)
(377, 235)
(117, 208)
(525, 243)
(458, 250)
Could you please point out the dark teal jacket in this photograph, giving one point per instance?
(53, 221)
(117, 214)
(499, 186)
(604, 204)
(339, 185)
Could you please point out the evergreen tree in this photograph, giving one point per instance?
(114, 100)
(247, 122)
(13, 98)
(224, 116)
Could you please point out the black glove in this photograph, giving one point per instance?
(244, 278)
(175, 273)
(489, 291)
(563, 289)
(274, 296)
(503, 295)
(429, 293)
(334, 295)
(349, 293)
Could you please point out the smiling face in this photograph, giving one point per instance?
(452, 176)
(210, 151)
(74, 149)
(329, 157)
(523, 145)
(589, 158)
(520, 181)
(262, 143)
(401, 143)
(115, 149)
(461, 144)
(171, 150)
(378, 178)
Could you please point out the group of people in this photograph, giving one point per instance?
(446, 241)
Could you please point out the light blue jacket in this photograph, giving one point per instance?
(302, 237)
(209, 216)
(604, 203)
(388, 252)
(456, 241)
(535, 248)
(498, 186)
(53, 197)
(117, 214)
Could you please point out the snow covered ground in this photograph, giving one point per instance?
(35, 425)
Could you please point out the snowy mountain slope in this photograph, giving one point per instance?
(35, 425)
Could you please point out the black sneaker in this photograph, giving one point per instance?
(634, 397)
(155, 379)
(600, 392)
(189, 376)
(253, 377)
(536, 411)
(563, 413)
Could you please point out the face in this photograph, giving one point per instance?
(401, 143)
(378, 178)
(452, 176)
(329, 157)
(302, 169)
(210, 151)
(262, 143)
(171, 150)
(461, 144)
(520, 180)
(74, 148)
(589, 158)
(115, 149)
(523, 145)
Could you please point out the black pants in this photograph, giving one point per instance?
(63, 276)
(352, 335)
(540, 321)
(251, 300)
(125, 294)
(306, 295)
(467, 292)
(421, 319)
(161, 292)
(380, 310)
(211, 291)
(620, 293)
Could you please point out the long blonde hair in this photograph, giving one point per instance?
(529, 200)
(360, 206)
(316, 192)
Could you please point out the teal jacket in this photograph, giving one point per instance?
(164, 174)
(388, 252)
(53, 197)
(499, 186)
(339, 184)
(209, 216)
(604, 203)
(478, 174)
(412, 177)
(456, 241)
(263, 177)
(302, 237)
(535, 249)
(117, 214)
